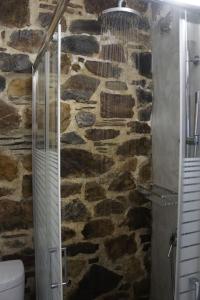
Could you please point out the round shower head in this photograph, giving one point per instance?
(121, 11)
(120, 18)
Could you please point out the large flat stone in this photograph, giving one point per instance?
(103, 69)
(94, 192)
(122, 182)
(80, 163)
(79, 87)
(113, 52)
(26, 40)
(80, 44)
(69, 189)
(116, 85)
(116, 105)
(108, 207)
(136, 147)
(9, 117)
(96, 7)
(139, 217)
(85, 26)
(15, 215)
(144, 114)
(101, 134)
(139, 127)
(98, 228)
(82, 248)
(143, 62)
(85, 119)
(75, 211)
(8, 167)
(119, 246)
(20, 88)
(97, 281)
(14, 14)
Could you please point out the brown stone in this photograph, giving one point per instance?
(75, 211)
(137, 198)
(69, 189)
(116, 106)
(98, 228)
(80, 44)
(135, 147)
(133, 270)
(78, 162)
(76, 267)
(101, 134)
(27, 162)
(27, 186)
(130, 165)
(26, 40)
(103, 69)
(145, 173)
(20, 88)
(96, 7)
(79, 87)
(19, 63)
(65, 116)
(15, 215)
(108, 207)
(113, 52)
(65, 63)
(94, 192)
(14, 14)
(67, 233)
(116, 85)
(9, 117)
(28, 117)
(144, 114)
(119, 246)
(8, 167)
(123, 182)
(139, 127)
(139, 217)
(5, 191)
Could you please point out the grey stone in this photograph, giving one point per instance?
(85, 119)
(139, 217)
(98, 228)
(144, 114)
(94, 192)
(72, 138)
(80, 44)
(108, 207)
(116, 85)
(101, 134)
(85, 26)
(103, 69)
(123, 182)
(116, 105)
(2, 83)
(75, 211)
(139, 127)
(137, 147)
(97, 281)
(144, 96)
(26, 40)
(79, 162)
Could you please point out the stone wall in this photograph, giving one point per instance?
(105, 149)
(106, 155)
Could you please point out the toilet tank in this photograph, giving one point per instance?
(12, 280)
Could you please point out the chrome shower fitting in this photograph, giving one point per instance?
(120, 3)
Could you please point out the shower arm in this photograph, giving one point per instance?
(120, 3)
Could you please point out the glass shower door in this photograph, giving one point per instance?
(46, 172)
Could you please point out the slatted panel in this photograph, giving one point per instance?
(189, 264)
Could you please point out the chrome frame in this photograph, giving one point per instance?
(123, 10)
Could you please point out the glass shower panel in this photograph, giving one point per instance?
(46, 173)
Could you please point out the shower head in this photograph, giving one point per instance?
(121, 11)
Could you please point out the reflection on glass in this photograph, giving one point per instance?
(40, 107)
(53, 95)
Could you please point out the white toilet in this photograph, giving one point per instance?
(11, 280)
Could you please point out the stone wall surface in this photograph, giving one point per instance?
(105, 156)
(105, 152)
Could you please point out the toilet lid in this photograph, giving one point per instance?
(11, 274)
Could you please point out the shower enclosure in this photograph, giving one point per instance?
(86, 188)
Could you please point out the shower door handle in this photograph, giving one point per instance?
(195, 284)
(52, 252)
